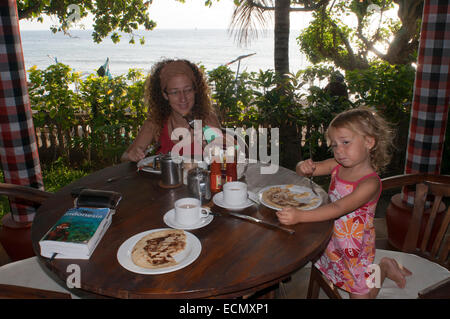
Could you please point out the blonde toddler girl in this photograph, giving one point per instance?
(360, 140)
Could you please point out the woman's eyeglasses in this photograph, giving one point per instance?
(177, 93)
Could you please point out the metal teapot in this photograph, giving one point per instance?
(171, 170)
(198, 184)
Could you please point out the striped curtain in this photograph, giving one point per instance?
(18, 148)
(431, 99)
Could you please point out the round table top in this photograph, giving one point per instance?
(237, 257)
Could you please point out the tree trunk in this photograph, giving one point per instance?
(406, 40)
(281, 36)
(289, 141)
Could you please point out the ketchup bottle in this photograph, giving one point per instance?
(231, 170)
(216, 176)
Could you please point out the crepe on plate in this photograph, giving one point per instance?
(157, 249)
(283, 197)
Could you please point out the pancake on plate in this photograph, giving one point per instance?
(157, 249)
(283, 197)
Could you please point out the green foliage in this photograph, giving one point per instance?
(265, 99)
(332, 42)
(331, 38)
(50, 93)
(111, 109)
(229, 96)
(110, 17)
(322, 108)
(387, 87)
(55, 175)
(255, 99)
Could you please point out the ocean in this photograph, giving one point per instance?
(212, 48)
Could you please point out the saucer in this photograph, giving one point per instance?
(218, 200)
(169, 219)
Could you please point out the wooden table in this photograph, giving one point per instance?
(237, 257)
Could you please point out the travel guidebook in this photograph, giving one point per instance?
(77, 233)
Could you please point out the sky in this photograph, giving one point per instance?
(170, 14)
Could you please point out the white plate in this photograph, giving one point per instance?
(169, 219)
(218, 200)
(145, 161)
(293, 189)
(193, 250)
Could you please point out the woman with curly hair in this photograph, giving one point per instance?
(174, 91)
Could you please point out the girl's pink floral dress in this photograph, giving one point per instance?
(352, 245)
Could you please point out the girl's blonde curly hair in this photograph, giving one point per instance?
(366, 122)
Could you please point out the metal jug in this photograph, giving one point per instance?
(171, 170)
(199, 184)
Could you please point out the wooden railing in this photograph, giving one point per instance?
(80, 142)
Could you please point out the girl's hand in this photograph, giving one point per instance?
(288, 216)
(306, 168)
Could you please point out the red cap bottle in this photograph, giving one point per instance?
(216, 176)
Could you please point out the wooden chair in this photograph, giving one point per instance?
(15, 236)
(11, 271)
(437, 185)
(31, 194)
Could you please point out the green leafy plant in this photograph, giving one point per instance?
(109, 111)
(387, 87)
(51, 94)
(55, 176)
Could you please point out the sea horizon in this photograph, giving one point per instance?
(209, 47)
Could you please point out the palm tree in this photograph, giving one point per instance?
(245, 27)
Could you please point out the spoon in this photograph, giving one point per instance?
(253, 198)
(311, 183)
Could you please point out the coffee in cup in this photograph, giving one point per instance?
(188, 211)
(235, 193)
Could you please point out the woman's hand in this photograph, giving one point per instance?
(288, 216)
(306, 168)
(137, 150)
(134, 154)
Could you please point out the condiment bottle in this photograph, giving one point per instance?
(231, 168)
(216, 175)
(223, 165)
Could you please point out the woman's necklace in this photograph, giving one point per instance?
(178, 123)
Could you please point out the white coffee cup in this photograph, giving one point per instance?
(234, 193)
(188, 211)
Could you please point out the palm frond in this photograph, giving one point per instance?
(249, 19)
